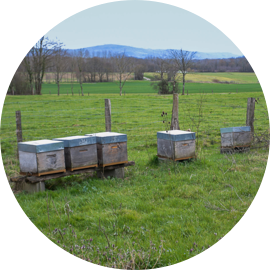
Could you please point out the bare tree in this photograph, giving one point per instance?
(172, 74)
(138, 72)
(72, 68)
(107, 68)
(123, 67)
(161, 64)
(108, 64)
(184, 61)
(100, 68)
(60, 64)
(28, 65)
(80, 65)
(41, 57)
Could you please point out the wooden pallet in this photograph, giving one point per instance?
(43, 173)
(35, 178)
(81, 168)
(177, 159)
(112, 164)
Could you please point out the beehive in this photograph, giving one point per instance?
(111, 148)
(176, 144)
(235, 137)
(41, 157)
(80, 152)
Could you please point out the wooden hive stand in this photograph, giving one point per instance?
(34, 183)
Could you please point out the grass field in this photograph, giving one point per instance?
(144, 87)
(161, 213)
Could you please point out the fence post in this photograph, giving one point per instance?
(250, 114)
(18, 129)
(174, 121)
(108, 121)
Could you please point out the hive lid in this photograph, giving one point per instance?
(40, 146)
(176, 135)
(73, 141)
(109, 137)
(235, 129)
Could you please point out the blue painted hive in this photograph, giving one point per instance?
(235, 137)
(111, 148)
(80, 152)
(41, 157)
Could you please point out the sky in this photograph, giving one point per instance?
(141, 24)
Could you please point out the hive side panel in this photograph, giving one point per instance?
(28, 162)
(82, 156)
(185, 149)
(51, 161)
(113, 153)
(242, 138)
(165, 148)
(227, 139)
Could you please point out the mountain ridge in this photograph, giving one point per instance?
(146, 53)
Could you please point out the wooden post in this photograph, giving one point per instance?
(108, 121)
(18, 128)
(250, 114)
(174, 121)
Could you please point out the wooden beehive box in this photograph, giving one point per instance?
(80, 152)
(111, 148)
(176, 144)
(233, 137)
(41, 157)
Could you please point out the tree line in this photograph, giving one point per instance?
(48, 56)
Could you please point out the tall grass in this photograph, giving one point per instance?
(161, 213)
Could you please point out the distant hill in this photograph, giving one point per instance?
(144, 53)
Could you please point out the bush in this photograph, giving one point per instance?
(19, 85)
(139, 70)
(164, 87)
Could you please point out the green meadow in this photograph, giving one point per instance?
(144, 87)
(162, 213)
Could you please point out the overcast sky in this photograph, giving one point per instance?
(143, 25)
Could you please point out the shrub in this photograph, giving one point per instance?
(164, 87)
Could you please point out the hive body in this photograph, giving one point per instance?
(235, 137)
(41, 157)
(111, 148)
(80, 152)
(176, 144)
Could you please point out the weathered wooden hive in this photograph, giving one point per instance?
(80, 152)
(176, 144)
(235, 137)
(111, 148)
(41, 157)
